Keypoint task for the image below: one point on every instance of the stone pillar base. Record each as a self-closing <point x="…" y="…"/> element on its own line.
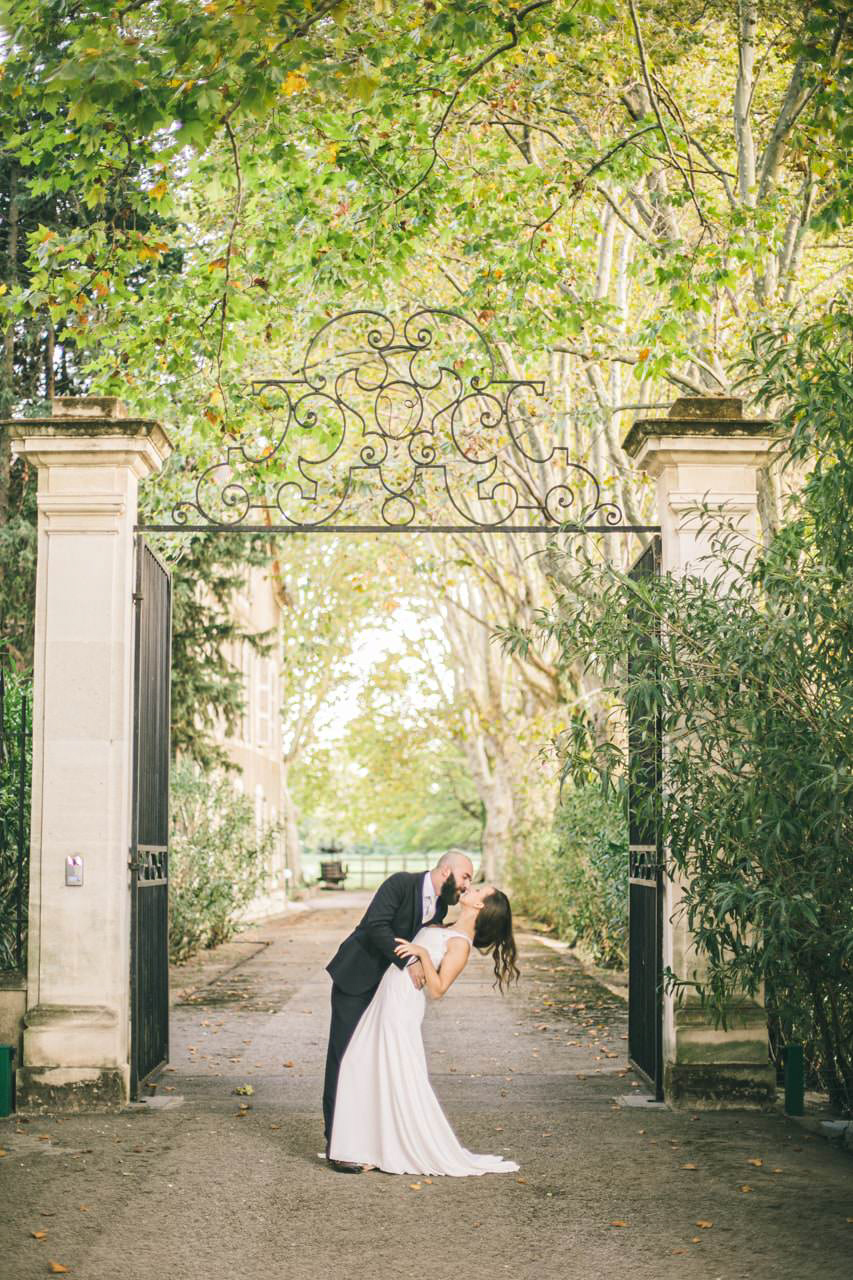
<point x="719" y="1086"/>
<point x="716" y="1067"/>
<point x="47" y="1089"/>
<point x="72" y="1059"/>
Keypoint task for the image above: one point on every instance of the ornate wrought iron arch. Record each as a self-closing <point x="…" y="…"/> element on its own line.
<point x="388" y="419"/>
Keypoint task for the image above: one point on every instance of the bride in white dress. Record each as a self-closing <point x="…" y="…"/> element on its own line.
<point x="386" y="1114"/>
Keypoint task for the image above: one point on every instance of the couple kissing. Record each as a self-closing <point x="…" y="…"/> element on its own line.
<point x="379" y="1108"/>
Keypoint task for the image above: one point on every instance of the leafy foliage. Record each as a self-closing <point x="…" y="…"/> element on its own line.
<point x="18" y="561"/>
<point x="756" y="706"/>
<point x="574" y="877"/>
<point x="207" y="688"/>
<point x="217" y="859"/>
<point x="395" y="777"/>
<point x="15" y="767"/>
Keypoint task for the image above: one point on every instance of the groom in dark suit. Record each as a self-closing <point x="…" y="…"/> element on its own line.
<point x="402" y="904"/>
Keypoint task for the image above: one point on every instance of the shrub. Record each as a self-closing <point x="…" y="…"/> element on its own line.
<point x="592" y="855"/>
<point x="217" y="862"/>
<point x="574" y="876"/>
<point x="14" y="689"/>
<point x="755" y="704"/>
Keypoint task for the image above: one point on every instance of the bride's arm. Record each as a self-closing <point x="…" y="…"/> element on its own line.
<point x="438" y="980"/>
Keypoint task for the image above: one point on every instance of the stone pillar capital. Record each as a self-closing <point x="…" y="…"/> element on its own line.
<point x="703" y="454"/>
<point x="701" y="431"/>
<point x="82" y="440"/>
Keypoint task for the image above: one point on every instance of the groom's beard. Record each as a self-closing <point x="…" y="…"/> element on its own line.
<point x="449" y="891"/>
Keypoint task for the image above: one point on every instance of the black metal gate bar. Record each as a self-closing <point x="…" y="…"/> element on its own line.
<point x="407" y="528"/>
<point x="149" y="860"/>
<point x="645" y="911"/>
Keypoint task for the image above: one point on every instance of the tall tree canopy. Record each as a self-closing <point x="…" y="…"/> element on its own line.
<point x="620" y="192"/>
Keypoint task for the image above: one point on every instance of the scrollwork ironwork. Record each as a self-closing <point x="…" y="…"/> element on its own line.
<point x="416" y="422"/>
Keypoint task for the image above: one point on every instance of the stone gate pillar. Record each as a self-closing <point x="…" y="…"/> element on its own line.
<point x="90" y="458"/>
<point x="705" y="452"/>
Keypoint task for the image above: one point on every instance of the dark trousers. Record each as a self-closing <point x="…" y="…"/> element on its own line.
<point x="346" y="1012"/>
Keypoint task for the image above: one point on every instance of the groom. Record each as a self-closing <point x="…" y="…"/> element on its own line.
<point x="402" y="904"/>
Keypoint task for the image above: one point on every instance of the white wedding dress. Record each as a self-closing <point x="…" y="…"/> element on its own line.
<point x="386" y="1113"/>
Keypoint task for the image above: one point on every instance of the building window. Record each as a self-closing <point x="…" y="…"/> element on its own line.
<point x="263" y="702"/>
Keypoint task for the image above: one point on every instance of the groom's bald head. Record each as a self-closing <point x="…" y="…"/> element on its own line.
<point x="452" y="875"/>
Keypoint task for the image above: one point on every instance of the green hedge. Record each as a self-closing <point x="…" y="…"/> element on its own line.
<point x="574" y="877"/>
<point x="216" y="861"/>
<point x="16" y="688"/>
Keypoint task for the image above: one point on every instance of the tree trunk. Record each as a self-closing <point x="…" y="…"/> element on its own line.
<point x="500" y="814"/>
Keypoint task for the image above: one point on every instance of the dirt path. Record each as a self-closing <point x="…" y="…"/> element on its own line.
<point x="199" y="1187"/>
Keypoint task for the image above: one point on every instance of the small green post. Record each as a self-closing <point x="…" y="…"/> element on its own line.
<point x="795" y="1085"/>
<point x="6" y="1051"/>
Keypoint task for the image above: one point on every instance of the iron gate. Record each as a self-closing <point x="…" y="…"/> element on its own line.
<point x="149" y="855"/>
<point x="645" y="976"/>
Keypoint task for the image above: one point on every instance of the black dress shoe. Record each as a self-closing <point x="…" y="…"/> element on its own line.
<point x="343" y="1166"/>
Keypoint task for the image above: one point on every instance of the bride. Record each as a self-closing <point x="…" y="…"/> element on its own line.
<point x="386" y="1114"/>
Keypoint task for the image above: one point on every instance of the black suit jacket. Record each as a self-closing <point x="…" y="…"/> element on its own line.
<point x="395" y="912"/>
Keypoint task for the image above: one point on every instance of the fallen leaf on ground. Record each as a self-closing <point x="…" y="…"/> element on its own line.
<point x="275" y="1126"/>
<point x="414" y="1186"/>
<point x="756" y="1162"/>
<point x="695" y="1239"/>
<point x="245" y="1089"/>
<point x="777" y="1170"/>
<point x="84" y="1208"/>
<point x="704" y="1224"/>
<point x="690" y="1166"/>
<point x="428" y="1180"/>
<point x="679" y="1251"/>
<point x="39" y="1235"/>
<point x="744" y="1187"/>
<point x="56" y="1268"/>
<point x="618" y="1222"/>
<point x="287" y="1064"/>
<point x="2" y="1152"/>
<point x="522" y="1180"/>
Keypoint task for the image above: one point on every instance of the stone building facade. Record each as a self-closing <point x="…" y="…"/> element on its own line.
<point x="255" y="747"/>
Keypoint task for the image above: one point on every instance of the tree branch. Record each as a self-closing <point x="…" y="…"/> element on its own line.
<point x="641" y="50"/>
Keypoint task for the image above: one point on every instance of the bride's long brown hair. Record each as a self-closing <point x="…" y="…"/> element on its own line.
<point x="493" y="935"/>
